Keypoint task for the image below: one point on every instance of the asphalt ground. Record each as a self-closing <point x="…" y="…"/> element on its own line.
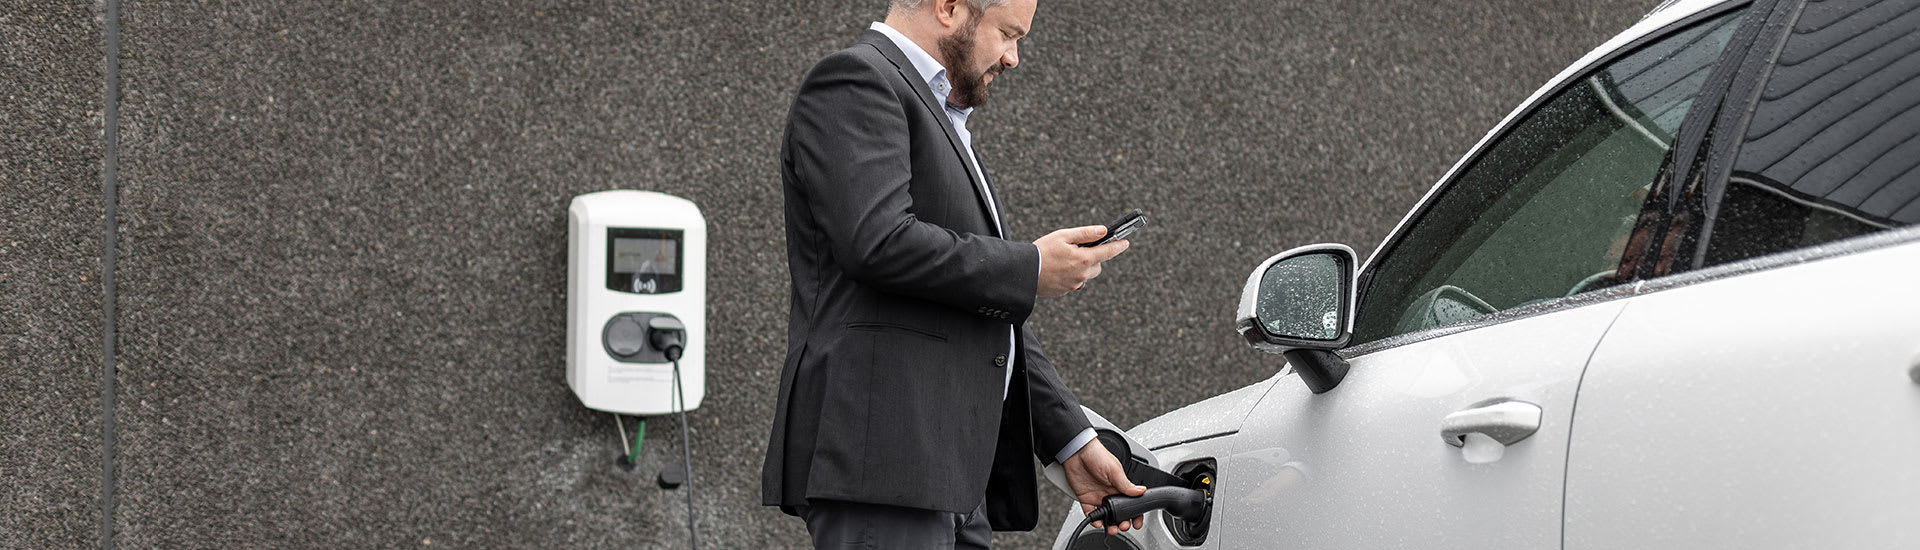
<point x="342" y="232"/>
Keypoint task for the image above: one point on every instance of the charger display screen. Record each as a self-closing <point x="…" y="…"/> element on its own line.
<point x="638" y="256"/>
<point x="644" y="261"/>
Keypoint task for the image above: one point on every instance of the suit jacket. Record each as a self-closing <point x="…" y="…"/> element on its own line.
<point x="903" y="293"/>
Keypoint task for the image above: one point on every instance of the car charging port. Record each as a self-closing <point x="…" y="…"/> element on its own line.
<point x="1189" y="531"/>
<point x="1183" y="499"/>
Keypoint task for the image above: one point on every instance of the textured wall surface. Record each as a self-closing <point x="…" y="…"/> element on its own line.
<point x="342" y="235"/>
<point x="51" y="223"/>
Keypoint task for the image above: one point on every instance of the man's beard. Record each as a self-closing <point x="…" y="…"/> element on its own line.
<point x="969" y="88"/>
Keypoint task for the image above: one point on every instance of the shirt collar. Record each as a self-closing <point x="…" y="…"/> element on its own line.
<point x="930" y="69"/>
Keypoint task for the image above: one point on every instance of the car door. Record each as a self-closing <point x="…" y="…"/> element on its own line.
<point x="1770" y="396"/>
<point x="1776" y="409"/>
<point x="1479" y="314"/>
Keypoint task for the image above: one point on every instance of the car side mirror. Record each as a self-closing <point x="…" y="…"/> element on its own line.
<point x="1299" y="303"/>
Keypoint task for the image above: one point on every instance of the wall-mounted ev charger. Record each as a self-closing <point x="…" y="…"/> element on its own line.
<point x="637" y="315"/>
<point x="636" y="265"/>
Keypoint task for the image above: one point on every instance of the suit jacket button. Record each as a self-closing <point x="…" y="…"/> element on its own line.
<point x="1000" y="360"/>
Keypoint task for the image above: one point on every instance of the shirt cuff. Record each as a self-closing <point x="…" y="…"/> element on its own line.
<point x="1074" y="446"/>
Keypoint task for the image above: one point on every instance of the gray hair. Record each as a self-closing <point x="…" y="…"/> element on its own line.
<point x="979" y="6"/>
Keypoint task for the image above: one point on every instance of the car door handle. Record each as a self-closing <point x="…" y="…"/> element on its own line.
<point x="1505" y="421"/>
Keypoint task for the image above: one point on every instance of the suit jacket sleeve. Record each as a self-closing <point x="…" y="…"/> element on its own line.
<point x="1057" y="417"/>
<point x="851" y="152"/>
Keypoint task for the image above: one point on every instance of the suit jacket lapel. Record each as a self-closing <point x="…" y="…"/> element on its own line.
<point x="919" y="85"/>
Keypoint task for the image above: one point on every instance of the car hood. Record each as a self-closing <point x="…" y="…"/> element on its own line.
<point x="1216" y="416"/>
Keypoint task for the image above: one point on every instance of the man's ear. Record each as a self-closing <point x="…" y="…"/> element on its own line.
<point x="952" y="13"/>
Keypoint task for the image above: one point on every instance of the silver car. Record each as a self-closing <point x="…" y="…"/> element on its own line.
<point x="1672" y="301"/>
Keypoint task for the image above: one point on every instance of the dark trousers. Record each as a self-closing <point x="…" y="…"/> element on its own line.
<point x="848" y="525"/>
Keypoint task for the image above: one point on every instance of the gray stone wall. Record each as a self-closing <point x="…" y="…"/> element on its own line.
<point x="51" y="223"/>
<point x="341" y="231"/>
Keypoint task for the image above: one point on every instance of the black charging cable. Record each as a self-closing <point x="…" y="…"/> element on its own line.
<point x="669" y="336"/>
<point x="1083" y="524"/>
<point x="686" y="445"/>
<point x="1187" y="504"/>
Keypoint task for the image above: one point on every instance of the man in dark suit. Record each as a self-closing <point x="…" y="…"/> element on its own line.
<point x="913" y="393"/>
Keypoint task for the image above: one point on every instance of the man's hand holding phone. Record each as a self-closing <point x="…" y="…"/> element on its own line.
<point x="1070" y="257"/>
<point x="1122" y="228"/>
<point x="1065" y="266"/>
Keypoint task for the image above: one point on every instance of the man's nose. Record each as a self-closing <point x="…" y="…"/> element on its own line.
<point x="1012" y="58"/>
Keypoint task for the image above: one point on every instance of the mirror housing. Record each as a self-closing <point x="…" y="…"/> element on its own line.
<point x="1299" y="304"/>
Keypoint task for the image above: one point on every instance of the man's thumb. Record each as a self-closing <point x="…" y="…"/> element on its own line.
<point x="1085" y="233"/>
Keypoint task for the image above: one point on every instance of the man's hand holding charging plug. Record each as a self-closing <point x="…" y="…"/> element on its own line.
<point x="1094" y="474"/>
<point x="1065" y="266"/>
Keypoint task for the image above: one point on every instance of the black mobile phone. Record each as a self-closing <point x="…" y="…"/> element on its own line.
<point x="1122" y="228"/>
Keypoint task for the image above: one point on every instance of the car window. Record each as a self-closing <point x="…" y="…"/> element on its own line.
<point x="1833" y="149"/>
<point x="1545" y="210"/>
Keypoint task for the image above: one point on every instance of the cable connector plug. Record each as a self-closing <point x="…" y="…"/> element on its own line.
<point x="1181" y="502"/>
<point x="668" y="335"/>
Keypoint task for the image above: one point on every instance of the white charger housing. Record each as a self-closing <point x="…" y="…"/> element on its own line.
<point x="635" y="261"/>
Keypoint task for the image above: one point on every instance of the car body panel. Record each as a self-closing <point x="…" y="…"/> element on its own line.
<point x="1218" y="415"/>
<point x="1712" y="412"/>
<point x="1369" y="453"/>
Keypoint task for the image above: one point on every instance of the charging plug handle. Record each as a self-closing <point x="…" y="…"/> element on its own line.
<point x="1181" y="502"/>
<point x="668" y="335"/>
